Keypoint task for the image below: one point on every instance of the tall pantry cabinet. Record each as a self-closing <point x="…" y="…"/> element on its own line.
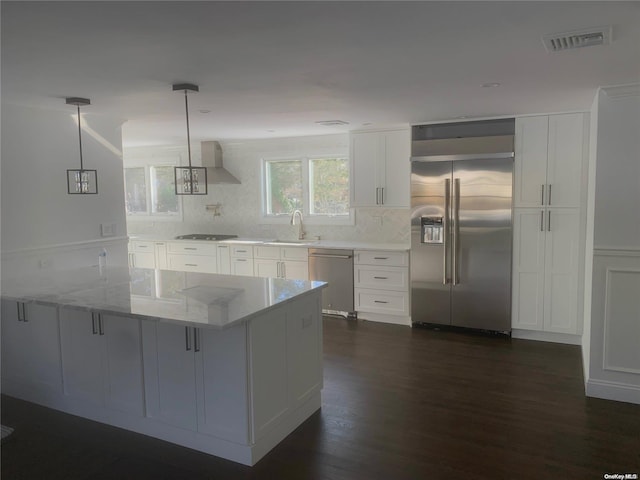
<point x="550" y="178"/>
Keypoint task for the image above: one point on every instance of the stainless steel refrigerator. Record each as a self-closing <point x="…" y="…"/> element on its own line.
<point x="461" y="230"/>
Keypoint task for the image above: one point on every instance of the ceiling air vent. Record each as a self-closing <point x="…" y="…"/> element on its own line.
<point x="586" y="37"/>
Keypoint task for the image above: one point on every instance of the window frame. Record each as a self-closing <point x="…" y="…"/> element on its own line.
<point x="309" y="219"/>
<point x="151" y="194"/>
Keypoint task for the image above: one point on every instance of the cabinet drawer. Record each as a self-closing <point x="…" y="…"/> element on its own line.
<point x="193" y="248"/>
<point x="242" y="251"/>
<point x="141" y="246"/>
<point x="382" y="257"/>
<point x="262" y="251"/>
<point x="380" y="301"/>
<point x="294" y="253"/>
<point x="191" y="263"/>
<point x="385" y="278"/>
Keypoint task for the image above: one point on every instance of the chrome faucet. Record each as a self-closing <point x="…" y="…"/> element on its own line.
<point x="301" y="232"/>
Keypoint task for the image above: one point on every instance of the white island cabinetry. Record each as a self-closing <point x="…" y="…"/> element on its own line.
<point x="102" y="360"/>
<point x="31" y="350"/>
<point x="223" y="364"/>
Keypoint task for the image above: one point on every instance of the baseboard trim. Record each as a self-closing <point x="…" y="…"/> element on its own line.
<point x="565" y="338"/>
<point x="620" y="392"/>
<point x="383" y="318"/>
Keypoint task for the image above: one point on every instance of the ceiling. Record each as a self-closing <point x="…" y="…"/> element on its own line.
<point x="273" y="69"/>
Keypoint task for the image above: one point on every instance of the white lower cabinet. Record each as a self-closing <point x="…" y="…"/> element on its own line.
<point x="31" y="348"/>
<point x="281" y="262"/>
<point x="545" y="270"/>
<point x="142" y="254"/>
<point x="197" y="378"/>
<point x="241" y="260"/>
<point x="381" y="286"/>
<point x="102" y="360"/>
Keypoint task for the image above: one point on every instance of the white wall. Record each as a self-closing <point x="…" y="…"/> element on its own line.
<point x="43" y="226"/>
<point x="614" y="356"/>
<point x="241" y="203"/>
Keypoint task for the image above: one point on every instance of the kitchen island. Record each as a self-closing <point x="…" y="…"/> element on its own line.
<point x="222" y="364"/>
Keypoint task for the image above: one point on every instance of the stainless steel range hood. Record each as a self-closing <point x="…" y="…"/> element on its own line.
<point x="212" y="159"/>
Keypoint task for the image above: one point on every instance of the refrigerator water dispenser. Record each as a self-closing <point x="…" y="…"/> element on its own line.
<point x="432" y="230"/>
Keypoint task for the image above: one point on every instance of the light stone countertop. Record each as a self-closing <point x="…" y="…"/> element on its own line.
<point x="338" y="244"/>
<point x="190" y="299"/>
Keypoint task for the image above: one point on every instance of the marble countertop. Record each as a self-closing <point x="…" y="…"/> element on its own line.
<point x="342" y="244"/>
<point x="192" y="299"/>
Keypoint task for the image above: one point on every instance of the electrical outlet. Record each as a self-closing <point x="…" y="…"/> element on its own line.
<point x="108" y="229"/>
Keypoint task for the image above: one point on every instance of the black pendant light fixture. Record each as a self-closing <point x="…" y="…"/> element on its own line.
<point x="189" y="180"/>
<point x="81" y="181"/>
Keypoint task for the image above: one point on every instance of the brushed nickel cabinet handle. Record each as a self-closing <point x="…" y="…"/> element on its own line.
<point x="381" y="278"/>
<point x="100" y="324"/>
<point x="549" y="221"/>
<point x="196" y="339"/>
<point x="549" y="196"/>
<point x="542" y="196"/>
<point x="379" y="301"/>
<point x="94" y="328"/>
<point x="187" y="338"/>
<point x="542" y="220"/>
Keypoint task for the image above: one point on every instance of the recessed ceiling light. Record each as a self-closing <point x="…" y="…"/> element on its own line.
<point x="463" y="116"/>
<point x="332" y="123"/>
<point x="270" y="131"/>
<point x="367" y="124"/>
<point x="204" y="111"/>
<point x="490" y="85"/>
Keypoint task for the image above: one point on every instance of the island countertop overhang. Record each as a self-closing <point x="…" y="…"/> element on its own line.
<point x="184" y="298"/>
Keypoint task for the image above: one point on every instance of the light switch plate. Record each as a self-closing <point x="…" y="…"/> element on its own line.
<point x="107" y="229"/>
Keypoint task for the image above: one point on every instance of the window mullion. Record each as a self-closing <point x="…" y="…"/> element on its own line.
<point x="149" y="187"/>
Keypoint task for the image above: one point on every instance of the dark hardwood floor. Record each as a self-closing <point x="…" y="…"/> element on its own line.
<point x="398" y="403"/>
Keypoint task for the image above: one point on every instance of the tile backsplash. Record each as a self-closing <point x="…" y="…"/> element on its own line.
<point x="240" y="204"/>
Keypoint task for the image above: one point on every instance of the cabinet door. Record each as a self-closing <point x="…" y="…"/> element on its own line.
<point x="529" y="231"/>
<point x="530" y="168"/>
<point x="224" y="259"/>
<point x="242" y="266"/>
<point x="365" y="156"/>
<point x="221" y="373"/>
<point x="123" y="356"/>
<point x="294" y="270"/>
<point x="396" y="169"/>
<point x="143" y="259"/>
<point x="82" y="356"/>
<point x="564" y="167"/>
<point x="31" y="348"/>
<point x="266" y="268"/>
<point x="161" y="255"/>
<point x="169" y="371"/>
<point x="561" y="271"/>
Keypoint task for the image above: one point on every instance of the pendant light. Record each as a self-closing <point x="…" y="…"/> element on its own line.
<point x="81" y="181"/>
<point x="189" y="180"/>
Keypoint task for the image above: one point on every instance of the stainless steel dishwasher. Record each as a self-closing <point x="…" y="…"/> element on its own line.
<point x="336" y="267"/>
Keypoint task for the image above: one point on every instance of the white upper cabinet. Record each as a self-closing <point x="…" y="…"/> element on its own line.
<point x="549" y="156"/>
<point x="380" y="168"/>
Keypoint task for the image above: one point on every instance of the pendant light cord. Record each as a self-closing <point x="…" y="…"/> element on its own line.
<point x="186" y="108"/>
<point x="80" y="138"/>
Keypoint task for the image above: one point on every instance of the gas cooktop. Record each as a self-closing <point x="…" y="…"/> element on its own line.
<point x="205" y="236"/>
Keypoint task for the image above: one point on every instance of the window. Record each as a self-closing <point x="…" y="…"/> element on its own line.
<point x="319" y="187"/>
<point x="150" y="191"/>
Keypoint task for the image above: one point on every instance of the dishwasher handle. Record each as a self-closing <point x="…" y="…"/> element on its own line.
<point x="327" y="255"/>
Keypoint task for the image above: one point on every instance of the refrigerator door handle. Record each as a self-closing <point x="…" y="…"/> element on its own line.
<point x="446" y="226"/>
<point x="456" y="230"/>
